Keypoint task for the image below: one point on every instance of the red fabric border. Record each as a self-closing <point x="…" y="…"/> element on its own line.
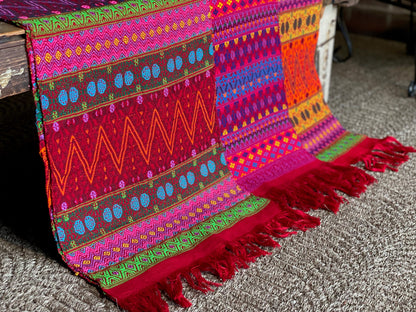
<point x="189" y="259"/>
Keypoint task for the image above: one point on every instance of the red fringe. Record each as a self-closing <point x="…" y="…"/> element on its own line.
<point x="316" y="188"/>
<point x="223" y="264"/>
<point x="387" y="153"/>
<point x="150" y="301"/>
<point x="173" y="288"/>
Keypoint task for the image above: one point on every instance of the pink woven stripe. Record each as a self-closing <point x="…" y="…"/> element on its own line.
<point x="114" y="243"/>
<point x="76" y="50"/>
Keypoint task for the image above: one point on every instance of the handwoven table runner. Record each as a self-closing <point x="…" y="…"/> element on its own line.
<point x="158" y="120"/>
<point x="271" y="111"/>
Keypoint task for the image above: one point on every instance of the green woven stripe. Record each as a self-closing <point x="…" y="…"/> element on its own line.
<point x="340" y="147"/>
<point x="132" y="267"/>
<point x="70" y="21"/>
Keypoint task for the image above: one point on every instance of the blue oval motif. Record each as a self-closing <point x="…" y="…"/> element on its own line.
<point x="182" y="182"/>
<point x="89" y="223"/>
<point x="73" y="95"/>
<point x="144" y="200"/>
<point x="178" y="62"/>
<point x="61" y="234"/>
<point x="191" y="57"/>
<point x="171" y="65"/>
<point x="204" y="170"/>
<point x="161" y="193"/>
<point x="118" y="211"/>
<point x="155" y="70"/>
<point x="199" y="54"/>
<point x="169" y="189"/>
<point x="211" y="49"/>
<point x="223" y="160"/>
<point x="118" y="81"/>
<point x="107" y="215"/>
<point x="91" y="89"/>
<point x="45" y="101"/>
<point x="128" y="78"/>
<point x="63" y="98"/>
<point x="101" y="86"/>
<point x="191" y="177"/>
<point x="134" y="204"/>
<point x="79" y="227"/>
<point x="211" y="166"/>
<point x="146" y="74"/>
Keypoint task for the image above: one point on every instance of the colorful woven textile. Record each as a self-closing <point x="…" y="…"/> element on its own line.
<point x="139" y="191"/>
<point x="133" y="101"/>
<point x="271" y="111"/>
<point x="320" y="132"/>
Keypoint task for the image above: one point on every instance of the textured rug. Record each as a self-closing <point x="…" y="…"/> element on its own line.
<point x="137" y="183"/>
<point x="362" y="259"/>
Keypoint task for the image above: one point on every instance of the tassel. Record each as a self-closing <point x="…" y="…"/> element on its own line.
<point x="298" y="220"/>
<point x="387" y="154"/>
<point x="317" y="188"/>
<point x="173" y="288"/>
<point x="378" y="154"/>
<point x="225" y="267"/>
<point x="264" y="240"/>
<point x="197" y="281"/>
<point x="146" y="301"/>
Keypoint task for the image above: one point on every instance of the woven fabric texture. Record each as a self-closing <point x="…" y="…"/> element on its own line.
<point x="159" y="120"/>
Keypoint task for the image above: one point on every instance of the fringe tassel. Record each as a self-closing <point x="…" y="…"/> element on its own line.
<point x="387" y="153"/>
<point x="317" y="188"/>
<point x="223" y="264"/>
<point x="149" y="301"/>
<point x="197" y="281"/>
<point x="173" y="288"/>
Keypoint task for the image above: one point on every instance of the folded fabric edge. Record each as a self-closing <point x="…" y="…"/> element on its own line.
<point x="221" y="255"/>
<point x="315" y="186"/>
<point x="377" y="154"/>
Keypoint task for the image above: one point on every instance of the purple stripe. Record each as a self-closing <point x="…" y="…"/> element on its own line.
<point x="276" y="169"/>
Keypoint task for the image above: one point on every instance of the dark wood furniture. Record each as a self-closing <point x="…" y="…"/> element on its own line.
<point x="14" y="70"/>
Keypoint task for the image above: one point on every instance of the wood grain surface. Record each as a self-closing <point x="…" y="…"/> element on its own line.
<point x="14" y="70"/>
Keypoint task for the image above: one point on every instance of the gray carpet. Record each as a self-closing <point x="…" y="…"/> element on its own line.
<point x="362" y="259"/>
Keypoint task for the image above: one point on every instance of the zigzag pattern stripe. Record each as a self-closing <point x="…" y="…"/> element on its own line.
<point x="288" y="5"/>
<point x="242" y="24"/>
<point x="237" y="142"/>
<point x="253" y="16"/>
<point x="322" y="135"/>
<point x="219" y="9"/>
<point x="130" y="130"/>
<point x="239" y="83"/>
